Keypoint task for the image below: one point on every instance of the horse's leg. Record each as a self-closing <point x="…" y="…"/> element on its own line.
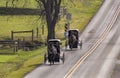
<point x="53" y="58"/>
<point x="71" y="46"/>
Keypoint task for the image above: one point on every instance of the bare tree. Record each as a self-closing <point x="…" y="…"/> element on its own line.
<point x="52" y="9"/>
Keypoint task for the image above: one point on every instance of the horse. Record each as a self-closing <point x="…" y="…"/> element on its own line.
<point x="52" y="52"/>
<point x="73" y="39"/>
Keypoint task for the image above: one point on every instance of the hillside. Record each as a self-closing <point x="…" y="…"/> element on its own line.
<point x="18" y="64"/>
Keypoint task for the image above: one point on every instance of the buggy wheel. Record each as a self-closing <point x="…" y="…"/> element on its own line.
<point x="63" y="58"/>
<point x="50" y="63"/>
<point x="71" y="46"/>
<point x="45" y="58"/>
<point x="50" y="59"/>
<point x="66" y="45"/>
<point x="53" y="61"/>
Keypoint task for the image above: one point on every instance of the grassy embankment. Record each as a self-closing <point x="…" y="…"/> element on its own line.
<point x="17" y="65"/>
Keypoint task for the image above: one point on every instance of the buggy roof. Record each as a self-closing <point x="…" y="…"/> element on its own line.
<point x="54" y="40"/>
<point x="73" y="30"/>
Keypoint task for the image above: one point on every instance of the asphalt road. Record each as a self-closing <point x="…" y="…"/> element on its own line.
<point x="100" y="63"/>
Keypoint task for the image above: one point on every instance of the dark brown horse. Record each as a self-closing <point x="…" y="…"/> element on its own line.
<point x="72" y="40"/>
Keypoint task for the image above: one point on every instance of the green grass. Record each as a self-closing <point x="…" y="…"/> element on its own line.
<point x="26" y="67"/>
<point x="18" y="23"/>
<point x="17" y="65"/>
<point x="20" y="63"/>
<point x="5" y="58"/>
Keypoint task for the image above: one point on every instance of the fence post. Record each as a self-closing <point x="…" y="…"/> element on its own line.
<point x="15" y="46"/>
<point x="23" y="43"/>
<point x="32" y="35"/>
<point x="12" y="35"/>
<point x="37" y="32"/>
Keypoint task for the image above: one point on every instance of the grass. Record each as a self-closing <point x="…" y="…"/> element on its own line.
<point x="119" y="56"/>
<point x="5" y="58"/>
<point x="28" y="65"/>
<point x="21" y="63"/>
<point x="17" y="23"/>
<point x="17" y="65"/>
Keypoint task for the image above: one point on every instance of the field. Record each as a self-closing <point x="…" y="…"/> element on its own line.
<point x="18" y="64"/>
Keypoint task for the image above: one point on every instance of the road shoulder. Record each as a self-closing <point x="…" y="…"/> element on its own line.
<point x="116" y="71"/>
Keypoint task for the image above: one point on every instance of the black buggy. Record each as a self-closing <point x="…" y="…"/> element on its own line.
<point x="54" y="54"/>
<point x="73" y="38"/>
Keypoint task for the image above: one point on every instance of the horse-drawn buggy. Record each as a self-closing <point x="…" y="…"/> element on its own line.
<point x="73" y="38"/>
<point x="54" y="53"/>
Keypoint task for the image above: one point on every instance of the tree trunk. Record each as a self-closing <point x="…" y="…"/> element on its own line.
<point x="51" y="32"/>
<point x="52" y="8"/>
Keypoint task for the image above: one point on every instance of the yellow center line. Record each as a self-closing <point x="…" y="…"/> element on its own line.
<point x="98" y="42"/>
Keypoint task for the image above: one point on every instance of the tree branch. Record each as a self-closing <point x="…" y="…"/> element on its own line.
<point x="57" y="10"/>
